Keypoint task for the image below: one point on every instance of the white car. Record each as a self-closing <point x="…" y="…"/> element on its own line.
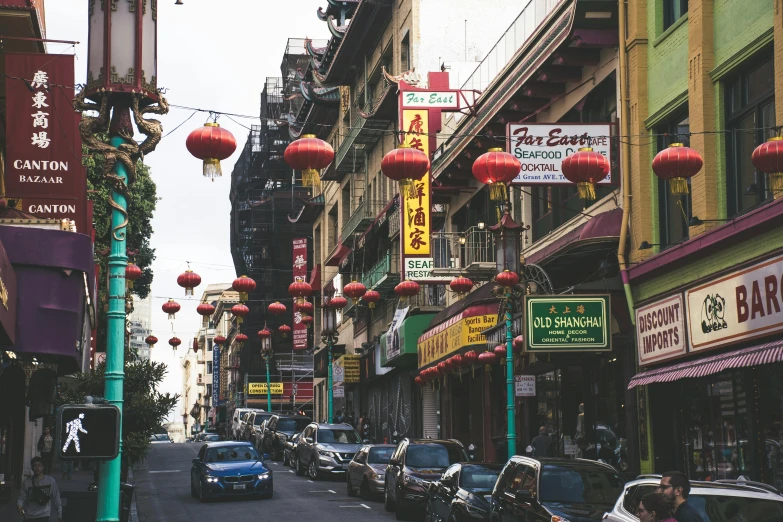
<point x="237" y="421"/>
<point x="160" y="438"/>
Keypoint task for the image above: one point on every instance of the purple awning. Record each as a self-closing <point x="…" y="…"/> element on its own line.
<point x="755" y="355"/>
<point x="603" y="226"/>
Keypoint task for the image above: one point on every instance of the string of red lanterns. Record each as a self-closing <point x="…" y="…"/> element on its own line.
<point x="171" y="307"/>
<point x="244" y="285"/>
<point x="496" y="168"/>
<point x="585" y="168"/>
<point x="189" y="280"/>
<point x="405" y="165"/>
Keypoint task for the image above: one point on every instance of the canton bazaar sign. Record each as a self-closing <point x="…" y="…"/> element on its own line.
<point x="567" y="323"/>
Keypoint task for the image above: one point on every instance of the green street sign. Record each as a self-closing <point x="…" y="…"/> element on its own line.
<point x="569" y="323"/>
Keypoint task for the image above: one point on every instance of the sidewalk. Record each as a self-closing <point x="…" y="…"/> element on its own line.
<point x="79" y="482"/>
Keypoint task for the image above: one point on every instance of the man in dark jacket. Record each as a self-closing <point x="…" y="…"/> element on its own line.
<point x="676" y="487"/>
<point x="542" y="443"/>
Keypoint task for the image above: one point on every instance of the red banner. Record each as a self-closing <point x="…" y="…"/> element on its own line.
<point x="300" y="274"/>
<point x="43" y="162"/>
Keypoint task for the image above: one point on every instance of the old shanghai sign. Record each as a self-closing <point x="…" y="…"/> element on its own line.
<point x="660" y="330"/>
<point x="742" y="305"/>
<point x="567" y="323"/>
<point x="542" y="147"/>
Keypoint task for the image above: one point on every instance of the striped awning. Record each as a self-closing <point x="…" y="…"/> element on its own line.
<point x="755" y="355"/>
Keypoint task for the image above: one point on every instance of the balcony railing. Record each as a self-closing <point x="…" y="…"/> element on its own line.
<point x="429" y="296"/>
<point x="385" y="274"/>
<point x="364" y="214"/>
<point x="471" y="253"/>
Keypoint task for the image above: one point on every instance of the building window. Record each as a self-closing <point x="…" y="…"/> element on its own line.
<point x="209" y="345"/>
<point x="674" y="212"/>
<point x="750" y="118"/>
<point x="405" y="53"/>
<point x="209" y="390"/>
<point x="673" y="10"/>
<point x="209" y="367"/>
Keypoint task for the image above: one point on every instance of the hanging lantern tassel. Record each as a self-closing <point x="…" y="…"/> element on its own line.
<point x="311" y="178"/>
<point x="587" y="190"/>
<point x="497" y="191"/>
<point x="678" y="186"/>
<point x="212" y="168"/>
<point x="408" y="188"/>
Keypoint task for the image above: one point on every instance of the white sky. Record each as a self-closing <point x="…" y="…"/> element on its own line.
<point x="212" y="54"/>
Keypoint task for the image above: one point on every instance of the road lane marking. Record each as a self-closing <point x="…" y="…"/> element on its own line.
<point x="310" y="481"/>
<point x="365" y="506"/>
<point x="164" y="471"/>
<point x="349" y="506"/>
<point x="290" y="471"/>
<point x="327" y="491"/>
<point x="330" y="491"/>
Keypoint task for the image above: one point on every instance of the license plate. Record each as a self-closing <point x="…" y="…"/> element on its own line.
<point x="239" y="486"/>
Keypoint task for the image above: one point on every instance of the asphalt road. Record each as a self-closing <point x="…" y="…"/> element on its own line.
<point x="163" y="494"/>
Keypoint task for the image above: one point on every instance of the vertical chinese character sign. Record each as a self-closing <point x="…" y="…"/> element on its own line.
<point x="300" y="274"/>
<point x="416" y="206"/>
<point x="43" y="166"/>
<point x="216" y="376"/>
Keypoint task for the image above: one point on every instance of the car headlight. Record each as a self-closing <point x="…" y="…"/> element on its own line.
<point x="263" y="476"/>
<point x="210" y="478"/>
<point x="326" y="453"/>
<point x="556" y="518"/>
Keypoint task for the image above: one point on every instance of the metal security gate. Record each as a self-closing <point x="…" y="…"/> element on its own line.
<point x="430" y="413"/>
<point x="389" y="409"/>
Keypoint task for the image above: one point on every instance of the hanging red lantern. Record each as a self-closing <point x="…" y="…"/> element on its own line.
<point x="443" y="368"/>
<point x="284" y="330"/>
<point x="189" y="280"/>
<point x="300" y="289"/>
<point x="151" y="341"/>
<point x="211" y="144"/>
<point x="418" y="381"/>
<point x="355" y="290"/>
<point x="371" y="297"/>
<point x="276" y="308"/>
<point x="585" y="168"/>
<point x="244" y="285"/>
<point x="500" y="351"/>
<point x="195" y="345"/>
<point x="240" y="311"/>
<point x="219" y="339"/>
<point x="171" y="307"/>
<point x="306" y="307"/>
<point x="496" y="168"/>
<point x="132" y="273"/>
<point x="469" y="358"/>
<point x="174" y="342"/>
<point x="457" y="361"/>
<point x="241" y="338"/>
<point x="264" y="333"/>
<point x="309" y="154"/>
<point x="507" y="278"/>
<point x="768" y="158"/>
<point x="405" y="165"/>
<point x="461" y="285"/>
<point x="676" y="164"/>
<point x="307" y="320"/>
<point x="518" y="344"/>
<point x="205" y="309"/>
<point x="338" y="302"/>
<point x="487" y="358"/>
<point x="407" y="289"/>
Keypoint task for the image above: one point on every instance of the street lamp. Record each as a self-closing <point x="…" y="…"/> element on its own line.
<point x="121" y="79"/>
<point x="329" y="336"/>
<point x="266" y="354"/>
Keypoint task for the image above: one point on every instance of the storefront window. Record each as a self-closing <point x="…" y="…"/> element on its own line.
<point x="674" y="212"/>
<point x="770" y="421"/>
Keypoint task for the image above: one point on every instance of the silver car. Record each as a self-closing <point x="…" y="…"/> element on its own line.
<point x="720" y="501"/>
<point x="367" y="468"/>
<point x="325" y="449"/>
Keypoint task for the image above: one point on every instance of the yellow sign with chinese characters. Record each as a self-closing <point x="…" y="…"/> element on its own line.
<point x="352" y="365"/>
<point x="417" y="206"/>
<point x="259" y="388"/>
<point x="453" y="335"/>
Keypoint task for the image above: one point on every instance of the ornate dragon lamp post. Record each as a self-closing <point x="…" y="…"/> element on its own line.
<point x="121" y="79"/>
<point x="266" y="353"/>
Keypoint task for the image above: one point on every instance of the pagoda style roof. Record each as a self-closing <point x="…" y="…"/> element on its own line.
<point x="336" y="7"/>
<point x="329" y="96"/>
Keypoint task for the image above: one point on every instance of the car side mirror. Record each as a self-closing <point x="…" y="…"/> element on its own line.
<point x="196" y="461"/>
<point x="394" y="462"/>
<point x="448" y="482"/>
<point x="309" y="440"/>
<point x="525" y="496"/>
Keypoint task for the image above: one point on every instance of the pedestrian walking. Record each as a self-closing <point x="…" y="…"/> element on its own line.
<point x="39" y="494"/>
<point x="654" y="507"/>
<point x="542" y="443"/>
<point x="46" y="449"/>
<point x="676" y="487"/>
<point x="66" y="465"/>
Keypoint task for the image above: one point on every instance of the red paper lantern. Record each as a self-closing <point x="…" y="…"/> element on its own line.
<point x="443" y="368"/>
<point x="418" y="381"/>
<point x="469" y="358"/>
<point x="132" y="273"/>
<point x="219" y="339"/>
<point x="189" y="280"/>
<point x="354" y="290"/>
<point x="461" y="285"/>
<point x="211" y="144"/>
<point x="276" y="308"/>
<point x="500" y="351"/>
<point x="306" y="307"/>
<point x="405" y="165"/>
<point x="407" y="289"/>
<point x="457" y="361"/>
<point x="240" y="311"/>
<point x="676" y="164"/>
<point x="768" y="158"/>
<point x="171" y="307"/>
<point x="518" y="344"/>
<point x="241" y="338"/>
<point x="307" y="320"/>
<point x="507" y="278"/>
<point x="338" y="302"/>
<point x="151" y="340"/>
<point x="174" y="342"/>
<point x="496" y="168"/>
<point x="244" y="285"/>
<point x="300" y="289"/>
<point x="205" y="309"/>
<point x="371" y="297"/>
<point x="195" y="345"/>
<point x="585" y="168"/>
<point x="284" y="329"/>
<point x="309" y="154"/>
<point x="264" y="333"/>
<point x="487" y="358"/>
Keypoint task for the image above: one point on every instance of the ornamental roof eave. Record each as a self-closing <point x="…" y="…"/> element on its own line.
<point x="334" y="8"/>
<point x="328" y="96"/>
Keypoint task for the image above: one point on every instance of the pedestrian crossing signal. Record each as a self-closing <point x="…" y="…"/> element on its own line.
<point x="88" y="431"/>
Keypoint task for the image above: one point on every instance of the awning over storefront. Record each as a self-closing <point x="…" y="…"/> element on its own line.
<point x="753" y="356"/>
<point x="340" y="253"/>
<point x="606" y="225"/>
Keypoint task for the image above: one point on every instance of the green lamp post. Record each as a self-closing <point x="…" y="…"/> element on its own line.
<point x="123" y="40"/>
<point x="266" y="354"/>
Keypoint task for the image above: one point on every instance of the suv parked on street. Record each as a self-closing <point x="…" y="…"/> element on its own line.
<point x="413" y="465"/>
<point x="325" y="448"/>
<point x="556" y="489"/>
<point x="715" y="501"/>
<point x="279" y="429"/>
<point x="254" y="427"/>
<point x="237" y="422"/>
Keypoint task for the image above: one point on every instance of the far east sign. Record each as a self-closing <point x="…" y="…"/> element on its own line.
<point x="567" y="323"/>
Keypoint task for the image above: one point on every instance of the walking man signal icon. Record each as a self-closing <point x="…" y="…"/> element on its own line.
<point x="73" y="428"/>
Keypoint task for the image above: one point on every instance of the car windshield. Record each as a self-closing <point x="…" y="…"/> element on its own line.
<point x="724" y="508"/>
<point x="474" y="477"/>
<point x="432" y="456"/>
<point x="211" y="438"/>
<point x="259" y="419"/>
<point x="232" y="454"/>
<point x="580" y="485"/>
<point x="292" y="424"/>
<point x="338" y="436"/>
<point x="379" y="455"/>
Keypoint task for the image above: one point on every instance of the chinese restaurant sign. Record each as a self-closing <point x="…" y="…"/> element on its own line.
<point x="542" y="147"/>
<point x="259" y="388"/>
<point x="431" y="99"/>
<point x="742" y="305"/>
<point x="660" y="330"/>
<point x="417" y="208"/>
<point x="464" y="329"/>
<point x="216" y="375"/>
<point x="300" y="274"/>
<point x="43" y="162"/>
<point x="567" y="323"/>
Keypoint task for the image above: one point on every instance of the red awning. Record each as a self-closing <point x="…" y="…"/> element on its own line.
<point x="338" y="255"/>
<point x="755" y="355"/>
<point x="604" y="226"/>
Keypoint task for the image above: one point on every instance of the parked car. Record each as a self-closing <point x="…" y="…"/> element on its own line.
<point x="237" y="421"/>
<point x="367" y="468"/>
<point x="211" y="437"/>
<point x="543" y="489"/>
<point x="462" y="493"/>
<point x="160" y="438"/>
<point x="229" y="468"/>
<point x="414" y="464"/>
<point x="257" y="435"/>
<point x="278" y="430"/>
<point x="290" y="447"/>
<point x="325" y="449"/>
<point x="253" y="421"/>
<point x="199" y="437"/>
<point x="715" y="501"/>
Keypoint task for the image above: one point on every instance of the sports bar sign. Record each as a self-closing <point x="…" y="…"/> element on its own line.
<point x="567" y="323"/>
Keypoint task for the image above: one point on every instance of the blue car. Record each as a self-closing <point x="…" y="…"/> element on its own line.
<point x="229" y="469"/>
